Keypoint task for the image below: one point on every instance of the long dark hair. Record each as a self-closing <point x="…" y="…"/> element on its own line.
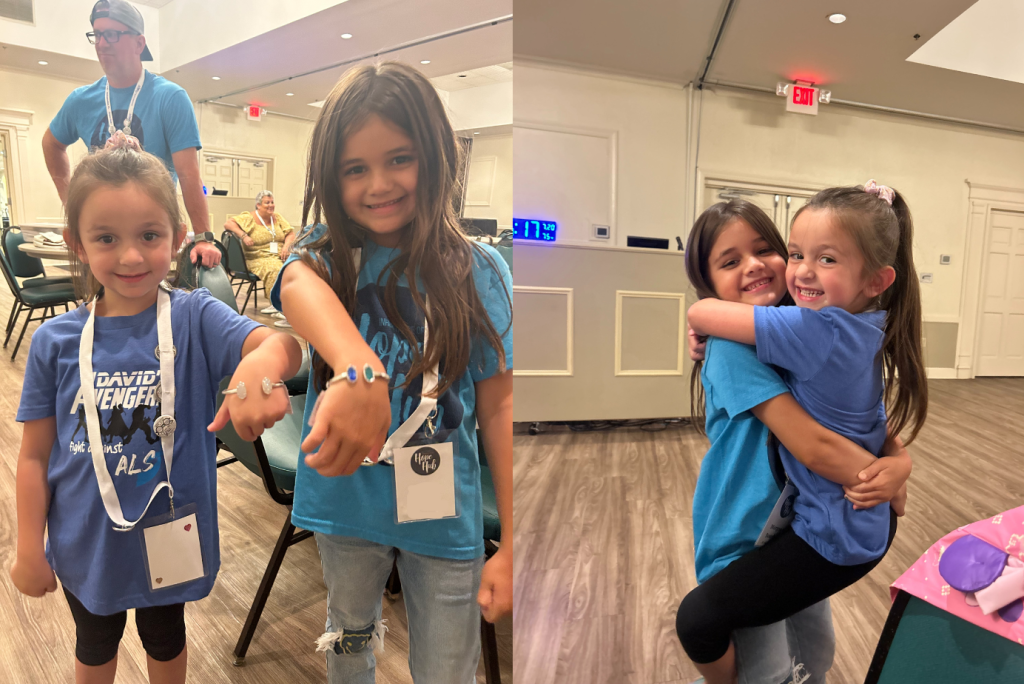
<point x="885" y="236"/>
<point x="699" y="245"/>
<point x="433" y="247"/>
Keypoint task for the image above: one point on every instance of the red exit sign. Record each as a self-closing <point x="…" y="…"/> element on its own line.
<point x="802" y="99"/>
<point x="255" y="113"/>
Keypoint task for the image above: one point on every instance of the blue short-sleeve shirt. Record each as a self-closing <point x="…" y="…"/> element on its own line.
<point x="363" y="504"/>
<point x="735" y="489"/>
<point x="101" y="567"/>
<point x="832" y="365"/>
<point x="163" y="119"/>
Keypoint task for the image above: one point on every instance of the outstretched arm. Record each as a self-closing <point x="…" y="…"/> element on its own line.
<point x="31" y="571"/>
<point x="728" y="320"/>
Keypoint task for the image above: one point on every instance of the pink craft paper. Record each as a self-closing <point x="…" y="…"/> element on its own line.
<point x="922" y="579"/>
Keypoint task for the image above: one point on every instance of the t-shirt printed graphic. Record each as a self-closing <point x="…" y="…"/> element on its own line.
<point x="128" y="403"/>
<point x="105" y="568"/>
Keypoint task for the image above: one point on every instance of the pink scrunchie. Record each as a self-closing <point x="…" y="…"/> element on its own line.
<point x="119" y="140"/>
<point x="883" y="191"/>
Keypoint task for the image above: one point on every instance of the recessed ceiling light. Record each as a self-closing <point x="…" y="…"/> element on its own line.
<point x="216" y="78"/>
<point x="476" y="132"/>
<point x="43" y="63"/>
<point x="837" y="18"/>
<point x="346" y="36"/>
<point x="424" y="61"/>
<point x="290" y="94"/>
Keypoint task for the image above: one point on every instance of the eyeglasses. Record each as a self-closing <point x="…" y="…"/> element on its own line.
<point x="109" y="36"/>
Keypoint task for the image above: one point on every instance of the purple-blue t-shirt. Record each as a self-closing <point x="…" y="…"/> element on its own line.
<point x="832" y="366"/>
<point x="104" y="569"/>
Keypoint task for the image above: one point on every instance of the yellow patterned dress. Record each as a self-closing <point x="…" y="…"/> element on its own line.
<point x="259" y="258"/>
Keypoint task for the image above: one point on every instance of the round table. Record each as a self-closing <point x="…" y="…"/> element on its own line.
<point x="55" y="253"/>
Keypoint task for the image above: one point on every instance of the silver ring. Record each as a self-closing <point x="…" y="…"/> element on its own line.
<point x="269" y="386"/>
<point x="239" y="390"/>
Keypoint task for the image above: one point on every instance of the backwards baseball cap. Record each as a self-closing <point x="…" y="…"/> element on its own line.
<point x="124" y="12"/>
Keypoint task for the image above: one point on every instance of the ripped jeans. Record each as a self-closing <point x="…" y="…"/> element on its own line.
<point x="440" y="600"/>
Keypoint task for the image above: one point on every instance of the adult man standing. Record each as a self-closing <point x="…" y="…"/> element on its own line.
<point x="143" y="105"/>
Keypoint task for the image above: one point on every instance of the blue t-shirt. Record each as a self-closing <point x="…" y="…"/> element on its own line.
<point x="163" y="119"/>
<point x="735" y="489"/>
<point x="363" y="504"/>
<point x="101" y="567"/>
<point x="833" y="367"/>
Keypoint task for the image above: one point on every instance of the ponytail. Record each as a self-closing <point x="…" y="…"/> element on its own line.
<point x="906" y="387"/>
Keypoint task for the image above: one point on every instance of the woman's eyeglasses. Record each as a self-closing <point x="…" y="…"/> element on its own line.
<point x="109" y="36"/>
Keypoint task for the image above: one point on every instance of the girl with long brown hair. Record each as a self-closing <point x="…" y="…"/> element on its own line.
<point x="410" y="325"/>
<point x="850" y="353"/>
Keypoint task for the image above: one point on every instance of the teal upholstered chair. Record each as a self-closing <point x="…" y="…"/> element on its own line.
<point x="26" y="266"/>
<point x="274" y="456"/>
<point x="40" y="298"/>
<point x="921" y="644"/>
<point x="240" y="272"/>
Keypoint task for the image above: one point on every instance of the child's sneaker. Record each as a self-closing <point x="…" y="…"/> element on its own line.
<point x="268" y="310"/>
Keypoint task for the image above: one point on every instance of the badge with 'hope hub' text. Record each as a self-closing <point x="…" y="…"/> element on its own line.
<point x="425" y="482"/>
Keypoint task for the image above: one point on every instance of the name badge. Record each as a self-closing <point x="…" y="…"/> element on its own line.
<point x="274" y="247"/>
<point x="425" y="482"/>
<point x="782" y="514"/>
<point x="173" y="552"/>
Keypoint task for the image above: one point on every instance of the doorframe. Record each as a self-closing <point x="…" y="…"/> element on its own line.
<point x="225" y="152"/>
<point x="723" y="179"/>
<point x="982" y="201"/>
<point x="16" y="123"/>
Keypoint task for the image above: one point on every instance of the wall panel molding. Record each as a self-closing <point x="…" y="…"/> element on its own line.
<point x="566" y="292"/>
<point x="621" y="295"/>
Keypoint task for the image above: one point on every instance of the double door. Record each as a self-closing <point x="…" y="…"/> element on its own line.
<point x="781" y="207"/>
<point x="240" y="177"/>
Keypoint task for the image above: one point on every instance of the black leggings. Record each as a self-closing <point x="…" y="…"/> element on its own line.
<point x="161" y="628"/>
<point x="771" y="583"/>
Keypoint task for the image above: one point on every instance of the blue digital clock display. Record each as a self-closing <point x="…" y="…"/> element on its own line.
<point x="532" y="229"/>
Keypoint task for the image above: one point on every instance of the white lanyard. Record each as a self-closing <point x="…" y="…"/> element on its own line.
<point x="131" y="107"/>
<point x="164" y="425"/>
<point x="271" y="226"/>
<point x="406" y="430"/>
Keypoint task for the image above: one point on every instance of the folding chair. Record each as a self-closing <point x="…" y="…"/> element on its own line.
<point x="240" y="272"/>
<point x="42" y="298"/>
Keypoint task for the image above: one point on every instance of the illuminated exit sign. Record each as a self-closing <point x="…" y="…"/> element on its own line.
<point x="802" y="99"/>
<point x="255" y="113"/>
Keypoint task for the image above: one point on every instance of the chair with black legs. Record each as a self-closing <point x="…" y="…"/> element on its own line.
<point x="239" y="270"/>
<point x="42" y="298"/>
<point x="24" y="265"/>
<point x="274" y="457"/>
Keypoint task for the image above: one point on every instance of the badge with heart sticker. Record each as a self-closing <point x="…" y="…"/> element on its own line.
<point x="173" y="551"/>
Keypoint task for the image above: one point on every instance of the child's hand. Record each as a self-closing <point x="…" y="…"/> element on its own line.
<point x="258" y="411"/>
<point x="880" y="482"/>
<point x="495" y="595"/>
<point x="33" y="576"/>
<point x="697" y="344"/>
<point x="349" y="423"/>
<point x="899" y="502"/>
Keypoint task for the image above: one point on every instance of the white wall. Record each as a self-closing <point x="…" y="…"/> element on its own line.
<point x="286" y="140"/>
<point x="751" y="135"/>
<point x="60" y="27"/>
<point x="491" y="167"/>
<point x="479" y="107"/>
<point x="594" y="149"/>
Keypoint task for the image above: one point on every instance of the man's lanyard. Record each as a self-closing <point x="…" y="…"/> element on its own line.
<point x="423" y="412"/>
<point x="273" y="234"/>
<point x="131" y="107"/>
<point x="164" y="425"/>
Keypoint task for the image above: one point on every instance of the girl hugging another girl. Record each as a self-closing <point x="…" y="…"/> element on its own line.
<point x="850" y="355"/>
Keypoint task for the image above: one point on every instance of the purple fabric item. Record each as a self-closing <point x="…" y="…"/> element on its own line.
<point x="970" y="564"/>
<point x="1011" y="613"/>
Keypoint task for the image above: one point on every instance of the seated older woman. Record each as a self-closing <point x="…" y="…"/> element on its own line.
<point x="267" y="239"/>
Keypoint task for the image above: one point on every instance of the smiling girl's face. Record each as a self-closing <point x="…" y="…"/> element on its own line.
<point x="744" y="268"/>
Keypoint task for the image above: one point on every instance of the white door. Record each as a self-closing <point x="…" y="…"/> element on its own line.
<point x="218" y="173"/>
<point x="252" y="178"/>
<point x="767" y="201"/>
<point x="1001" y="333"/>
<point x="787" y="210"/>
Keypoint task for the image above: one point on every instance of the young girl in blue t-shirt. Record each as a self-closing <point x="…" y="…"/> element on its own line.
<point x="734" y="253"/>
<point x="851" y="273"/>
<point x="116" y="462"/>
<point x="410" y="326"/>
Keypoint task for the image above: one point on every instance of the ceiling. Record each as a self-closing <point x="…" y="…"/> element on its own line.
<point x="861" y="60"/>
<point x="472" y="37"/>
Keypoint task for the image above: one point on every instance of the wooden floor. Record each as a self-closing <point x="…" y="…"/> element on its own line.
<point x="604" y="539"/>
<point x="37" y="636"/>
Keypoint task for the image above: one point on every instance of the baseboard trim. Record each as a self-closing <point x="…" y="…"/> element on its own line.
<point x="941" y="373"/>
